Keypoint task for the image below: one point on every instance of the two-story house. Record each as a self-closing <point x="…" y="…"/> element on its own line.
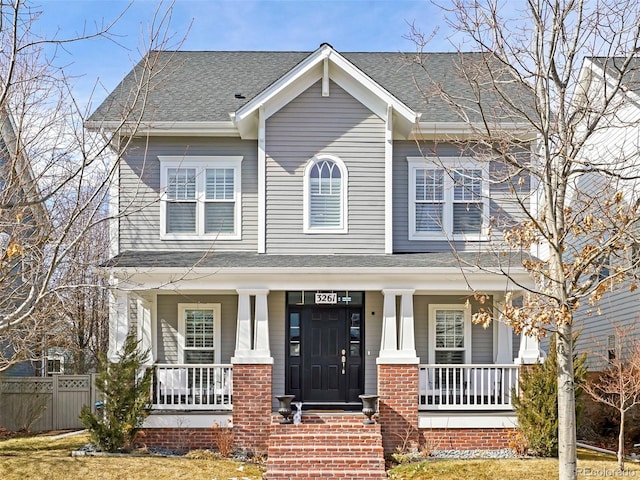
<point x="613" y="147"/>
<point x="24" y="222"/>
<point x="303" y="223"/>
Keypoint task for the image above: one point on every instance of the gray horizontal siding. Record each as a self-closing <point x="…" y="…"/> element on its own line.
<point x="481" y="338"/>
<point x="167" y="315"/>
<point x="140" y="192"/>
<point x="372" y="339"/>
<point x="502" y="206"/>
<point x="338" y="125"/>
<point x="277" y="341"/>
<point x="619" y="308"/>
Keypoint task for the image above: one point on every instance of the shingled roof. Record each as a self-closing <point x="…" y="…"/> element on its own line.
<point x="203" y="86"/>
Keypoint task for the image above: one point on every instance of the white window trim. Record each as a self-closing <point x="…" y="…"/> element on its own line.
<point x="448" y="165"/>
<point x="54" y="357"/>
<point x="182" y="307"/>
<point x="467" y="329"/>
<point x="343" y="227"/>
<point x="201" y="163"/>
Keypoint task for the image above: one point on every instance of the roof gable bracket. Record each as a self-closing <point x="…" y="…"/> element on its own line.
<point x="325" y="77"/>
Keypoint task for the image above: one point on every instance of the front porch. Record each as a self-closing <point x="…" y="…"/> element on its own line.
<point x="224" y="343"/>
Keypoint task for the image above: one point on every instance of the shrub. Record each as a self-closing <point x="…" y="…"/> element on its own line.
<point x="537" y="404"/>
<point x="126" y="394"/>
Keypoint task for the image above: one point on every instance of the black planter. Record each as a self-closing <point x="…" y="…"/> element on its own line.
<point x="369" y="407"/>
<point x="285" y="407"/>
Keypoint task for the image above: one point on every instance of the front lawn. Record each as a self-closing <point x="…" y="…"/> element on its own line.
<point x="590" y="465"/>
<point x="44" y="458"/>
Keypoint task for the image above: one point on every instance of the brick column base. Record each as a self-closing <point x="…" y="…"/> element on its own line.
<point x="252" y="407"/>
<point x="398" y="406"/>
<point x="466" y="438"/>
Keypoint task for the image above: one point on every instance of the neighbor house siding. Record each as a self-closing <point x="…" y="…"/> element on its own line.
<point x="619" y="308"/>
<point x="502" y="207"/>
<point x="339" y="125"/>
<point x="168" y="324"/>
<point x="140" y="192"/>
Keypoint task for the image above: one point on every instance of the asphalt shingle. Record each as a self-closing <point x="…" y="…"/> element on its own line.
<point x="190" y="86"/>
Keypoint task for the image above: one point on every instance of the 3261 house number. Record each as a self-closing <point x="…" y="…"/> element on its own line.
<point x="326" y="298"/>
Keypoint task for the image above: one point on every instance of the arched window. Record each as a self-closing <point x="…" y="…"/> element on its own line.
<point x="325" y="195"/>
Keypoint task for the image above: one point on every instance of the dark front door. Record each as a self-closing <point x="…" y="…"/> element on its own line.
<point x="326" y="366"/>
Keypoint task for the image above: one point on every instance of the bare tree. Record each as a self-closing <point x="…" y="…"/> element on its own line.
<point x="55" y="178"/>
<point x="619" y="384"/>
<point x="548" y="104"/>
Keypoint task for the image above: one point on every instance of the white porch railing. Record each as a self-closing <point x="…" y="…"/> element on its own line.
<point x="467" y="387"/>
<point x="192" y="387"/>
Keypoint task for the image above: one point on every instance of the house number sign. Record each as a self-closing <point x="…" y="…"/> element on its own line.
<point x="326" y="298"/>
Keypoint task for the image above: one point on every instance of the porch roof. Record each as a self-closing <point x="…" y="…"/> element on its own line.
<point x="494" y="261"/>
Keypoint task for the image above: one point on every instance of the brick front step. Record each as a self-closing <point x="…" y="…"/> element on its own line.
<point x="327" y="446"/>
<point x="351" y="474"/>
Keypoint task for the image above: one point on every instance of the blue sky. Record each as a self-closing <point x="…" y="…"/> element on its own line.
<point x="348" y="25"/>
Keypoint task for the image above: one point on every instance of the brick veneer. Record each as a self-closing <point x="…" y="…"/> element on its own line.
<point x="466" y="438"/>
<point x="182" y="439"/>
<point x="398" y="405"/>
<point x="252" y="407"/>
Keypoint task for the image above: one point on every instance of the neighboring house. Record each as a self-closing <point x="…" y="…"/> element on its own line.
<point x="282" y="232"/>
<point x="21" y="224"/>
<point x="616" y="143"/>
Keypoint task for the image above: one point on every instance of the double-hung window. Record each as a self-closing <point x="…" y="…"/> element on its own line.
<point x="200" y="197"/>
<point x="325" y="195"/>
<point x="199" y="333"/>
<point x="447" y="199"/>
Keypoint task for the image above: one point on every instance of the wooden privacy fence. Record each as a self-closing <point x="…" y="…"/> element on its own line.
<point x="45" y="403"/>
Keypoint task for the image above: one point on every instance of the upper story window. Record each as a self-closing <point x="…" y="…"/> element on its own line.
<point x="325" y="195"/>
<point x="447" y="199"/>
<point x="201" y="197"/>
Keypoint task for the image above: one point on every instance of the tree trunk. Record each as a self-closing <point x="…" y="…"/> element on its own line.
<point x="566" y="404"/>
<point x="621" y="443"/>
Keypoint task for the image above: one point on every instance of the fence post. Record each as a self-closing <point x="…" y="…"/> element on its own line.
<point x="93" y="394"/>
<point x="54" y="403"/>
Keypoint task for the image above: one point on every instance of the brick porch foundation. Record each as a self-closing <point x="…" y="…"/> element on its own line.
<point x="398" y="405"/>
<point x="252" y="399"/>
<point x="182" y="439"/>
<point x="465" y="438"/>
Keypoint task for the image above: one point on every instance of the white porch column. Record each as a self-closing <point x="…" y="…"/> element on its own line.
<point x="529" y="350"/>
<point x="252" y="332"/>
<point x="244" y="339"/>
<point x="503" y="346"/>
<point x="389" y="343"/>
<point x="118" y="322"/>
<point x="392" y="351"/>
<point x="261" y="336"/>
<point x="407" y="329"/>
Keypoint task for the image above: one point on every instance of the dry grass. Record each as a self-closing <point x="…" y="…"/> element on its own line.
<point x="42" y="458"/>
<point x="590" y="465"/>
